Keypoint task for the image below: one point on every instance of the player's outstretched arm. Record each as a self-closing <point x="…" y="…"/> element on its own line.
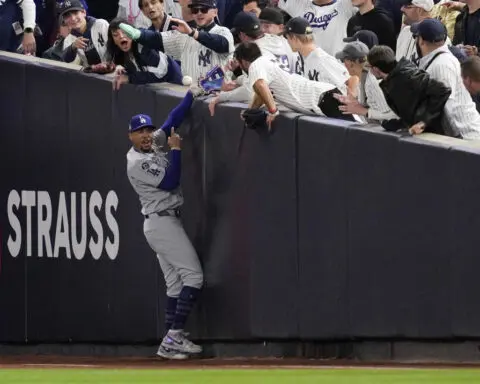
<point x="171" y="180"/>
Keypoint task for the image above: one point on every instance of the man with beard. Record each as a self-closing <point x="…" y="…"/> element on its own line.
<point x="198" y="49"/>
<point x="271" y="84"/>
<point x="91" y="34"/>
<point x="460" y="118"/>
<point x="414" y="11"/>
<point x="155" y="175"/>
<point x="413" y="96"/>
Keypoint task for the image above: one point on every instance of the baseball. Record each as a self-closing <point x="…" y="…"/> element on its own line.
<point x="187" y="80"/>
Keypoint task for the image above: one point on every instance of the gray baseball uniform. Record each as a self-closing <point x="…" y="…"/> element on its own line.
<point x="162" y="228"/>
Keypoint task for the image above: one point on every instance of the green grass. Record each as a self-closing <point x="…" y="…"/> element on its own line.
<point x="234" y="376"/>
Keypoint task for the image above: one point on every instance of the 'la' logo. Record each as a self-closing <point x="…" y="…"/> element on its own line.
<point x="142" y="120"/>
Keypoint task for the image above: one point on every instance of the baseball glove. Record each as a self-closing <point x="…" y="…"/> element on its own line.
<point x="101" y="69"/>
<point x="255" y="118"/>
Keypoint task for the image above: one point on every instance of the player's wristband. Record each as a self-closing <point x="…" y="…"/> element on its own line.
<point x="191" y="34"/>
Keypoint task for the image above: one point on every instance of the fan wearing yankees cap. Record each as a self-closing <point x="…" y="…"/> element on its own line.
<point x="314" y="63"/>
<point x="247" y="27"/>
<point x="272" y="21"/>
<point x="91" y="34"/>
<point x="272" y="85"/>
<point x="460" y="118"/>
<point x="370" y="101"/>
<point x="198" y="49"/>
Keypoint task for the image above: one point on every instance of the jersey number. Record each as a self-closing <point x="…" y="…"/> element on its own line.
<point x="282" y="61"/>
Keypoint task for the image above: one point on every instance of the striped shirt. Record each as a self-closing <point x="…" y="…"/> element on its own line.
<point x="374" y="98"/>
<point x="460" y="113"/>
<point x="406" y="46"/>
<point x="291" y="90"/>
<point x="329" y="22"/>
<point x="320" y="66"/>
<point x="196" y="59"/>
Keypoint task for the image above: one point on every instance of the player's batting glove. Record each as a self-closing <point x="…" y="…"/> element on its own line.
<point x="131" y="32"/>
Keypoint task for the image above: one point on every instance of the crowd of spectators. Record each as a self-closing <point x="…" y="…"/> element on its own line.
<point x="409" y="65"/>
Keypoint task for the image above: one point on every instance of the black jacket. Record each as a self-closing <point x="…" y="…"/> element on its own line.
<point x="460" y="36"/>
<point x="414" y="97"/>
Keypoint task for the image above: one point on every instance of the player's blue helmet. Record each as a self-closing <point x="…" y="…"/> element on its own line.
<point x="140" y="121"/>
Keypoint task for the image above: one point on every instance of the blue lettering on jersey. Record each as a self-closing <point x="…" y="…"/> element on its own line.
<point x="320" y="22"/>
<point x="204" y="59"/>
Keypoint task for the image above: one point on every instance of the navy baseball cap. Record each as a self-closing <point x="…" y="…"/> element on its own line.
<point x="246" y="22"/>
<point x="298" y="26"/>
<point x="431" y="30"/>
<point x="203" y="3"/>
<point x="140" y="121"/>
<point x="68" y="6"/>
<point x="369" y="38"/>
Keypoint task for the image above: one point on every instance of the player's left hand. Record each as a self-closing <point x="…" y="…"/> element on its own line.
<point x="417" y="129"/>
<point x="29" y="44"/>
<point x="181" y="26"/>
<point x="119" y="80"/>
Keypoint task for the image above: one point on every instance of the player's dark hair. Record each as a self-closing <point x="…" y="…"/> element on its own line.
<point x="382" y="57"/>
<point x="115" y="54"/>
<point x="248" y="51"/>
<point x="140" y="3"/>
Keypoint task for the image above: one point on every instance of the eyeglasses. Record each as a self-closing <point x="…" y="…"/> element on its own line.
<point x="202" y="9"/>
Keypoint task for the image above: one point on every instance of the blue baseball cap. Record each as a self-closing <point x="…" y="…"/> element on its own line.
<point x="140" y="121"/>
<point x="431" y="30"/>
<point x="369" y="38"/>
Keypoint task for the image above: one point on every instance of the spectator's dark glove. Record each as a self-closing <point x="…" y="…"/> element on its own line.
<point x="255" y="118"/>
<point x="102" y="68"/>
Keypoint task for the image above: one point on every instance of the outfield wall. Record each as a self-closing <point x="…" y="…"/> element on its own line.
<point x="323" y="231"/>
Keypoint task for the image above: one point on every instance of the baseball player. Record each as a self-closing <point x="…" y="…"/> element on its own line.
<point x="91" y="34"/>
<point x="314" y="63"/>
<point x="156" y="179"/>
<point x="17" y="24"/>
<point x="199" y="50"/>
<point x="270" y="84"/>
<point x="328" y="18"/>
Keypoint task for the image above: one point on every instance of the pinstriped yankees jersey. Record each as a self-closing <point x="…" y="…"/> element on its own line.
<point x="329" y="22"/>
<point x="320" y="66"/>
<point x="291" y="90"/>
<point x="378" y="108"/>
<point x="196" y="59"/>
<point x="460" y="113"/>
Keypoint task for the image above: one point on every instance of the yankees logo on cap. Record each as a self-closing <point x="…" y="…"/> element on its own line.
<point x="70" y="5"/>
<point x="140" y="121"/>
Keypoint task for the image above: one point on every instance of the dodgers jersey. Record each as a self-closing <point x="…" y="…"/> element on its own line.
<point x="145" y="172"/>
<point x="320" y="66"/>
<point x="291" y="90"/>
<point x="196" y="59"/>
<point x="329" y="22"/>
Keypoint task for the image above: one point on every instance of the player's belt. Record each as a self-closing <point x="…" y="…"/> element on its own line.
<point x="169" y="212"/>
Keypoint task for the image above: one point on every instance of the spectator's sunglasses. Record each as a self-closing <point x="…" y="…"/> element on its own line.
<point x="204" y="10"/>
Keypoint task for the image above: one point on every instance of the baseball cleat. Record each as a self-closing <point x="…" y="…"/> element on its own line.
<point x="170" y="354"/>
<point x="177" y="341"/>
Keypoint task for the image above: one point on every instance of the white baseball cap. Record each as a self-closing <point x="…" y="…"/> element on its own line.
<point x="427" y="5"/>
